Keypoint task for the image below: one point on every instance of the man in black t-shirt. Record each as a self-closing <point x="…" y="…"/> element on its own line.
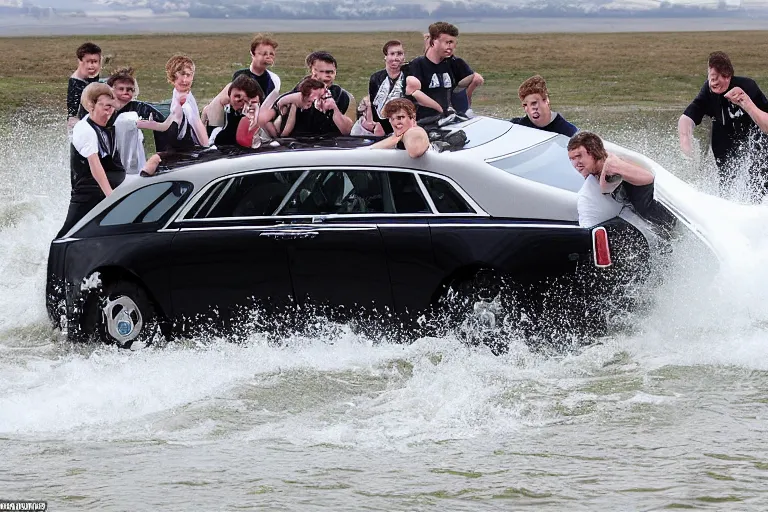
<point x="734" y="132"/>
<point x="327" y="115"/>
<point x="534" y="97"/>
<point x="435" y="75"/>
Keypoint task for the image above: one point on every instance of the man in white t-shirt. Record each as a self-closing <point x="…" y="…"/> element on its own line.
<point x="611" y="184"/>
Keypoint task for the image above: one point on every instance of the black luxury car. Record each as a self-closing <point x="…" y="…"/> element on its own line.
<point x="487" y="234"/>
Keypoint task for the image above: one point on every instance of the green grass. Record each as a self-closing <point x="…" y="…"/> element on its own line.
<point x="646" y="70"/>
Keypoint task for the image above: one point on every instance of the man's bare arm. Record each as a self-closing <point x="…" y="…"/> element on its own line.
<point x="685" y="130"/>
<point x="99" y="174"/>
<point x="477" y="81"/>
<point x="416" y="141"/>
<point x="413" y="88"/>
<point x="737" y="96"/>
<point x="629" y="172"/>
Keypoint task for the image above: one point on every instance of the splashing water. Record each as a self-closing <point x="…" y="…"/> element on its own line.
<point x="333" y="417"/>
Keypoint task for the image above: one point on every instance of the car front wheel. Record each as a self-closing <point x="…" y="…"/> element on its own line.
<point x="127" y="316"/>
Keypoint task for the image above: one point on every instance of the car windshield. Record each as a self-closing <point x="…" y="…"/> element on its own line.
<point x="545" y="163"/>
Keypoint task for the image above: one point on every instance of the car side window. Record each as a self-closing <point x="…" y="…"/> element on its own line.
<point x="328" y="192"/>
<point x="249" y="195"/>
<point x="147" y="204"/>
<point x="446" y="198"/>
<point x="406" y="193"/>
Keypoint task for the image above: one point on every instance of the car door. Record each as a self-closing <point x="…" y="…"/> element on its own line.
<point x="406" y="233"/>
<point x="227" y="259"/>
<point x="336" y="253"/>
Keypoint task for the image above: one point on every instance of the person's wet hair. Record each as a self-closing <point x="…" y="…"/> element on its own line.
<point x="264" y="39"/>
<point x="394" y="106"/>
<point x="591" y="143"/>
<point x="441" y="27"/>
<point x="720" y="62"/>
<point x="121" y="75"/>
<point x="534" y="85"/>
<point x="320" y="56"/>
<point x="86" y="49"/>
<point x="93" y="92"/>
<point x="309" y="84"/>
<point x="176" y="64"/>
<point x="248" y="85"/>
<point x="390" y="44"/>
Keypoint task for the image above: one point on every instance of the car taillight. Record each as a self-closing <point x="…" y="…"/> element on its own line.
<point x="600" y="247"/>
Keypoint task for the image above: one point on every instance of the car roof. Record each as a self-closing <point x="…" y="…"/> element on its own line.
<point x="498" y="192"/>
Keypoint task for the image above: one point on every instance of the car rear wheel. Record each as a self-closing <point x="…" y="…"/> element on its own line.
<point x="126" y="316"/>
<point x="480" y="310"/>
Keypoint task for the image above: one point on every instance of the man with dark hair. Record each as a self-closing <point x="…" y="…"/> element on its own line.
<point x="88" y="68"/>
<point x="263" y="50"/>
<point x="734" y="132"/>
<point x="435" y="75"/>
<point x="387" y="84"/>
<point x="245" y="96"/>
<point x="611" y="183"/>
<point x="327" y="115"/>
<point x="534" y="97"/>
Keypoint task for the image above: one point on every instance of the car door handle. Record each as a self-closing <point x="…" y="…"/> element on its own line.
<point x="289" y="235"/>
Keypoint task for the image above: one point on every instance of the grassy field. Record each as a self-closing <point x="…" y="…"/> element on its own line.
<point x="638" y="70"/>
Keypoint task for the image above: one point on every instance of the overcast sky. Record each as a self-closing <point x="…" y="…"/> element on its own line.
<point x="748" y="4"/>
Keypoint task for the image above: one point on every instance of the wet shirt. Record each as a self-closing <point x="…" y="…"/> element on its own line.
<point x="438" y="80"/>
<point x="74" y="93"/>
<point x="312" y="122"/>
<point x="381" y="90"/>
<point x="731" y="126"/>
<point x="88" y="138"/>
<point x="144" y="111"/>
<point x="227" y="136"/>
<point x="558" y="124"/>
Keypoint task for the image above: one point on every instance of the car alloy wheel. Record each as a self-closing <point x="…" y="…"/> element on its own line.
<point x="127" y="317"/>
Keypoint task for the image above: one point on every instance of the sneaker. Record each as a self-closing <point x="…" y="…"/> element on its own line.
<point x="469" y="113"/>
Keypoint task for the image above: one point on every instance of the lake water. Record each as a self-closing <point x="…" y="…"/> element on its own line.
<point x="670" y="414"/>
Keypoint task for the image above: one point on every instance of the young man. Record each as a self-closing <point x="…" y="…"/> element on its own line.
<point x="386" y="85"/>
<point x="734" y="131"/>
<point x="88" y="69"/>
<point x="280" y="119"/>
<point x="435" y="75"/>
<point x="534" y="97"/>
<point x="327" y="115"/>
<point x="245" y="96"/>
<point x="95" y="166"/>
<point x="130" y="116"/>
<point x="180" y="71"/>
<point x="263" y="50"/>
<point x="407" y="135"/>
<point x="611" y="183"/>
<point x="190" y="131"/>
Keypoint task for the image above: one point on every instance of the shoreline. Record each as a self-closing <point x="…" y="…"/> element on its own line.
<point x="19" y="26"/>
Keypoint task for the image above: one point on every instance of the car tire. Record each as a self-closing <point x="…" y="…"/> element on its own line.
<point x="479" y="309"/>
<point x="126" y="316"/>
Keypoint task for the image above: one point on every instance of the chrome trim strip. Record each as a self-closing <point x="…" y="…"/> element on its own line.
<point x="368" y="227"/>
<point x="193" y="200"/>
<point x="282" y="228"/>
<point x="425" y="193"/>
<point x="511" y="225"/>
